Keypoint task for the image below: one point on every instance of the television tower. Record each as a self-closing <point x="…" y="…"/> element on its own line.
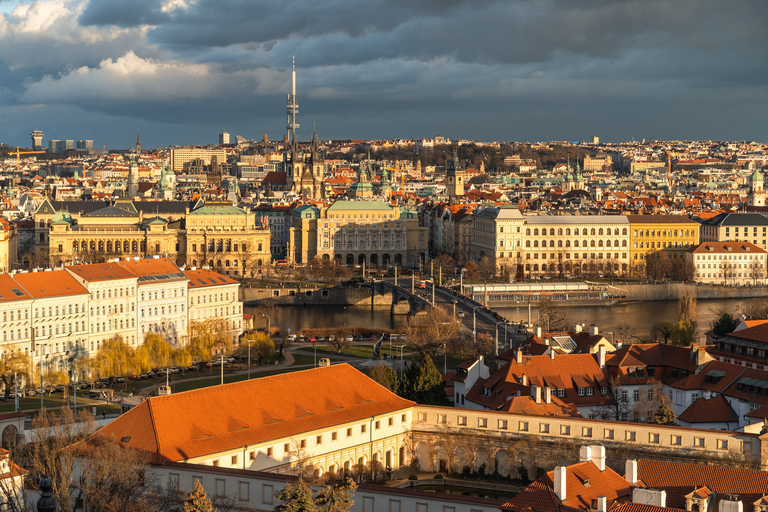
<point x="291" y="109"/>
<point x="37" y="140"/>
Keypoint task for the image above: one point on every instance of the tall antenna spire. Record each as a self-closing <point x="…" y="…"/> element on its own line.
<point x="292" y="108"/>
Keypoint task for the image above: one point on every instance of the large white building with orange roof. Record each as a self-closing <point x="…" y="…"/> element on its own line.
<point x="59" y="315"/>
<point x="112" y="305"/>
<point x="212" y="295"/>
<point x="162" y="297"/>
<point x="15" y="307"/>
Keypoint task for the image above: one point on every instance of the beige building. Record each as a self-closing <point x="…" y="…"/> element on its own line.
<point x="736" y="227"/>
<point x="373" y="233"/>
<point x="212" y="296"/>
<point x="184" y="155"/>
<point x="497" y="233"/>
<point x="215" y="234"/>
<point x="729" y="263"/>
<point x="576" y="244"/>
<point x="651" y="233"/>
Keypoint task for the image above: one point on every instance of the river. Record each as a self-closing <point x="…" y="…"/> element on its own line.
<point x="639" y="316"/>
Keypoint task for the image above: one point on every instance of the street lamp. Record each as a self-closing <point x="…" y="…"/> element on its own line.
<point x="345" y="316"/>
<point x="496" y="331"/>
<point x="269" y="324"/>
<point x="249" y="359"/>
<point x="42" y="393"/>
<point x="474" y="322"/>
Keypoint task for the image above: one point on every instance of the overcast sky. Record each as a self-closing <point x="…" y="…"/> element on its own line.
<point x="181" y="71"/>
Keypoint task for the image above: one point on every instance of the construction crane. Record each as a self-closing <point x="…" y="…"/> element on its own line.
<point x="18" y="157"/>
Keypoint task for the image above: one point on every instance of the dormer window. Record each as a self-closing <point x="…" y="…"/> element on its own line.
<point x="486" y="391"/>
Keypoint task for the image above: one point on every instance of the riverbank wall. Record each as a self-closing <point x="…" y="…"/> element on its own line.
<point x="360" y="296"/>
<point x="672" y="291"/>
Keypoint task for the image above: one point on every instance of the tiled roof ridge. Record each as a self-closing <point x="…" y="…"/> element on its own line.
<point x="152" y="422"/>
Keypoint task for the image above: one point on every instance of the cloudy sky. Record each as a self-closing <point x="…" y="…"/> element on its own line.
<point x="181" y="71"/>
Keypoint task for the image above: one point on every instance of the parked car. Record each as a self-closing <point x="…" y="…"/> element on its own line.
<point x="349" y="339"/>
<point x="291" y="338"/>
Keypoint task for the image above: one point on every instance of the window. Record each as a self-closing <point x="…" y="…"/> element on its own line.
<point x="349" y="432"/>
<point x="303" y="443"/>
<point x="461" y="421"/>
<point x="653" y="438"/>
<point x="630" y="436"/>
<point x="363" y="429"/>
<point x="390" y="421"/>
<point x="221" y="487"/>
<point x="722" y="444"/>
<point x="442" y="418"/>
<point x="216" y="463"/>
<point x="319" y="440"/>
<point x="377" y="425"/>
<point x="234" y="460"/>
<point x="521" y="426"/>
<point x="482" y="422"/>
<point x="544" y="428"/>
<point x="608" y="433"/>
<point x="676" y="440"/>
<point x="286" y="447"/>
<point x="586" y="431"/>
<point x="565" y="430"/>
<point x="334" y="436"/>
<point x="699" y="442"/>
<point x="422" y="416"/>
<point x="243" y="491"/>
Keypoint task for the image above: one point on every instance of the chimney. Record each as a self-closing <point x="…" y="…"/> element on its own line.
<point x="577" y="328"/>
<point x="551" y="353"/>
<point x="538" y="331"/>
<point x="694" y="349"/>
<point x="601" y="356"/>
<point x="653" y="497"/>
<point x="619" y="344"/>
<point x="630" y="471"/>
<point x="546" y="341"/>
<point x="560" y="482"/>
<point x="593" y="330"/>
<point x="602" y="504"/>
<point x="524" y="380"/>
<point x="730" y="503"/>
<point x="598" y="457"/>
<point x="519" y="356"/>
<point x="701" y="356"/>
<point x="585" y="453"/>
<point x="536" y="394"/>
<point x="548" y="395"/>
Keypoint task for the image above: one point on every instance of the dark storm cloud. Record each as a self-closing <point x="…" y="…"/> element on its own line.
<point x="490" y="69"/>
<point x="123" y="14"/>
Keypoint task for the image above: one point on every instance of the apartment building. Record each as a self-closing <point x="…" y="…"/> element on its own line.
<point x="651" y="233"/>
<point x="729" y="263"/>
<point x="497" y="233"/>
<point x="736" y="227"/>
<point x="212" y="295"/>
<point x="112" y="303"/>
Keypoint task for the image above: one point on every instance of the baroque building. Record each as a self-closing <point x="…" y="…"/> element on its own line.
<point x="204" y="233"/>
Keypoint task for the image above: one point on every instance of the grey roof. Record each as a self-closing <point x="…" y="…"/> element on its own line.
<point x="576" y="219"/>
<point x="110" y="211"/>
<point x="737" y="219"/>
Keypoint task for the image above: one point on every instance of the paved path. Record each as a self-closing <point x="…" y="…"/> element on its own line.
<point x="287" y="361"/>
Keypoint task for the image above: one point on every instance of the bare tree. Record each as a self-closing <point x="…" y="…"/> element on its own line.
<point x="429" y="333"/>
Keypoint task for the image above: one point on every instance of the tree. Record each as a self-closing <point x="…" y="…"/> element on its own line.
<point x="261" y="346"/>
<point x="724" y="324"/>
<point x="155" y="352"/>
<point x="208" y="337"/>
<point x="14" y="365"/>
<point x="385" y="376"/>
<point x="471" y="271"/>
<point x="431" y="332"/>
<point x="653" y="404"/>
<point x="686" y="314"/>
<point x="726" y="270"/>
<point x="197" y="501"/>
<point x="553" y="314"/>
<point x="663" y="329"/>
<point x="657" y="265"/>
<point x="487" y="268"/>
<point x="296" y="497"/>
<point x="269" y="312"/>
<point x="424" y="384"/>
<point x="337" y="497"/>
<point x="115" y="357"/>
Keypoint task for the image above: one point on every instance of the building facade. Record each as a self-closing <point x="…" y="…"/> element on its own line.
<point x="729" y="263"/>
<point x="650" y="233"/>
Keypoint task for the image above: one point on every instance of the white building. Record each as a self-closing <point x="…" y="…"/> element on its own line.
<point x="15" y="311"/>
<point x="162" y="297"/>
<point x="212" y="295"/>
<point x="729" y="263"/>
<point x="112" y="305"/>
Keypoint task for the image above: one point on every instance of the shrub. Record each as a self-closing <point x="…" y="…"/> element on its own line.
<point x="413" y="477"/>
<point x="437" y="476"/>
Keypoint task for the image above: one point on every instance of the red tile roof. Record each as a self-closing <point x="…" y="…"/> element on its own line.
<point x="56" y="283"/>
<point x="153" y="267"/>
<point x="679" y="479"/>
<point x="715" y="410"/>
<point x="196" y="423"/>
<point x="202" y="277"/>
<point x="10" y="290"/>
<point x="100" y="272"/>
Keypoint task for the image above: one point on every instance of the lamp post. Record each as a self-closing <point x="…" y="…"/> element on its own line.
<point x="496" y="331"/>
<point x="249" y="359"/>
<point x="474" y="322"/>
<point x="269" y="324"/>
<point x="345" y="316"/>
<point x="222" y="369"/>
<point x="42" y="392"/>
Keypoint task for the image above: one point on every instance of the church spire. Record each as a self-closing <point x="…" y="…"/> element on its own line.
<point x="138" y="144"/>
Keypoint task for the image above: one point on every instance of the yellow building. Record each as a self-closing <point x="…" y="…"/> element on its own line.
<point x="373" y="233"/>
<point x="213" y="234"/>
<point x="651" y="233"/>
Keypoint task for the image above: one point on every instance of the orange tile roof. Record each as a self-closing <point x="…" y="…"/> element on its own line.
<point x="196" y="423"/>
<point x="584" y="482"/>
<point x="679" y="479"/>
<point x="100" y="272"/>
<point x="56" y="283"/>
<point x="8" y="290"/>
<point x="203" y="277"/>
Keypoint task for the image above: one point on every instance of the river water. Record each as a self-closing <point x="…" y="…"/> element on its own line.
<point x="639" y="316"/>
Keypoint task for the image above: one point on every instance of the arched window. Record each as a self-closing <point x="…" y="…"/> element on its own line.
<point x="551" y="243"/>
<point x="584" y="232"/>
<point x="568" y="231"/>
<point x="592" y="243"/>
<point x="536" y="232"/>
<point x="560" y="231"/>
<point x="607" y="243"/>
<point x="528" y="231"/>
<point x="575" y="243"/>
<point x="599" y="243"/>
<point x="600" y="232"/>
<point x="624" y="231"/>
<point x="535" y="243"/>
<point x="551" y="231"/>
<point x="568" y="243"/>
<point x="623" y="243"/>
<point x="593" y="231"/>
<point x="559" y="243"/>
<point x="527" y="243"/>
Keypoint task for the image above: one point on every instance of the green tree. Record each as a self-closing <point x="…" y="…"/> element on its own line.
<point x="197" y="501"/>
<point x="262" y="346"/>
<point x="724" y="324"/>
<point x="296" y="497"/>
<point x="653" y="404"/>
<point x="385" y="376"/>
<point x="207" y="338"/>
<point x="424" y="384"/>
<point x="115" y="357"/>
<point x="336" y="498"/>
<point x="686" y="315"/>
<point x="155" y="352"/>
